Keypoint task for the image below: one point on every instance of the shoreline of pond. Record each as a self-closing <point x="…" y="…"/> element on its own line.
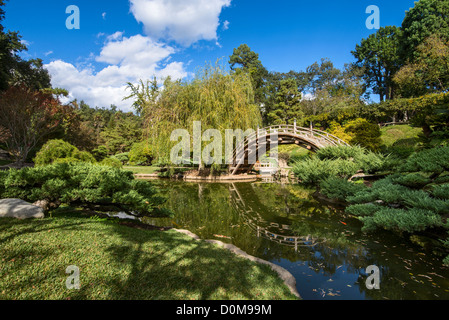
<point x="199" y="178"/>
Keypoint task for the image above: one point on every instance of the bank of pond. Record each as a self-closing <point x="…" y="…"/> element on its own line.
<point x="316" y="241"/>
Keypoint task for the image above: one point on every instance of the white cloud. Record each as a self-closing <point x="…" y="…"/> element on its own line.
<point x="184" y="21"/>
<point x="113" y="37"/>
<point x="127" y="60"/>
<point x="104" y="15"/>
<point x="226" y="25"/>
<point x="136" y="50"/>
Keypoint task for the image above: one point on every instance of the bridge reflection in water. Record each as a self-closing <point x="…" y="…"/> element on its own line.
<point x="276" y="232"/>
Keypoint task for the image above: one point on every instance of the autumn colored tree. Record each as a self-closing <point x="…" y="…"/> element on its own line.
<point x="27" y="117"/>
<point x="429" y="73"/>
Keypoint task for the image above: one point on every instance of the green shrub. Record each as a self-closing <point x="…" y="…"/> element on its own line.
<point x="363" y="210"/>
<point x="423" y="200"/>
<point x="111" y="162"/>
<point x="100" y="153"/>
<point x="60" y="151"/>
<point x="440" y="191"/>
<point x="391" y="205"/>
<point x="52" y="150"/>
<point x="414" y="180"/>
<point x="83" y="156"/>
<point x="435" y="160"/>
<point x="412" y="220"/>
<point x="364" y="134"/>
<point x="122" y="157"/>
<point x="141" y="154"/>
<point x="337" y="161"/>
<point x="382" y="190"/>
<point x="339" y="189"/>
<point x="366" y="160"/>
<point x="82" y="184"/>
<point x="340" y="152"/>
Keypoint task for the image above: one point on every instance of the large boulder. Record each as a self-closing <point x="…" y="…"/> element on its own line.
<point x="16" y="208"/>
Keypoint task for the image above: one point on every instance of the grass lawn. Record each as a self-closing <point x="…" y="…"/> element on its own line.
<point x="400" y="135"/>
<point x="118" y="262"/>
<point x="141" y="169"/>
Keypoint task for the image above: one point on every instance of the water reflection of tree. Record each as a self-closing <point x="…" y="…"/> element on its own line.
<point x="207" y="210"/>
<point x="308" y="218"/>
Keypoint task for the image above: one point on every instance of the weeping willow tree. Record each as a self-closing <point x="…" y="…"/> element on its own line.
<point x="216" y="98"/>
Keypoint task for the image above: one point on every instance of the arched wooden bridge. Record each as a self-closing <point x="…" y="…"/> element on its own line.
<point x="308" y="138"/>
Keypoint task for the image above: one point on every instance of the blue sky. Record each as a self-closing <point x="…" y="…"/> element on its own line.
<point x="127" y="40"/>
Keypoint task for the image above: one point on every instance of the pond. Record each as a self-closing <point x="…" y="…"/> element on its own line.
<point x="323" y="248"/>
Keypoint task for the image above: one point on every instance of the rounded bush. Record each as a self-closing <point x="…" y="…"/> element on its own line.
<point x="60" y="151"/>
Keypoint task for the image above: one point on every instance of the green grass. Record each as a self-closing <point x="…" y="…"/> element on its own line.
<point x="141" y="169"/>
<point x="400" y="141"/>
<point x="400" y="135"/>
<point x="117" y="262"/>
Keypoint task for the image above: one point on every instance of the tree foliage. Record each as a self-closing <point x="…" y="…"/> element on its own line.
<point x="83" y="185"/>
<point x="27" y="117"/>
<point x="57" y="151"/>
<point x="379" y="56"/>
<point x="244" y="60"/>
<point x="217" y="99"/>
<point x="287" y="107"/>
<point x="426" y="18"/>
<point x="411" y="200"/>
<point x="429" y="71"/>
<point x="13" y="69"/>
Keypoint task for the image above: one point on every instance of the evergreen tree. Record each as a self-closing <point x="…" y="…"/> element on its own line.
<point x="379" y="56"/>
<point x="247" y="61"/>
<point x="287" y="106"/>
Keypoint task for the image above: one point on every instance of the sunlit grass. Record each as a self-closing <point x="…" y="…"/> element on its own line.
<point x="142" y="169"/>
<point x="400" y="134"/>
<point x="120" y="262"/>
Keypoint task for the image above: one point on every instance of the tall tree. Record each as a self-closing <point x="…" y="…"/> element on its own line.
<point x="379" y="56"/>
<point x="217" y="99"/>
<point x="122" y="131"/>
<point x="245" y="60"/>
<point x="429" y="73"/>
<point x="427" y="17"/>
<point x="27" y="117"/>
<point x="287" y="106"/>
<point x="13" y="69"/>
<point x="273" y="86"/>
<point x="321" y="76"/>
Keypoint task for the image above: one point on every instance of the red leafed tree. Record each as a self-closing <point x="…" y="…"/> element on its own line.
<point x="26" y="117"/>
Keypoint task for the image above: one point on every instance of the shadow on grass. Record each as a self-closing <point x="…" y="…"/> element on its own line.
<point x="170" y="266"/>
<point x="122" y="263"/>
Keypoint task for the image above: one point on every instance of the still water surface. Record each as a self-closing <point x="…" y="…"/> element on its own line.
<point x="323" y="248"/>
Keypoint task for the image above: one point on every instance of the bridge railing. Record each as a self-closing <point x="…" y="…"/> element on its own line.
<point x="321" y="136"/>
